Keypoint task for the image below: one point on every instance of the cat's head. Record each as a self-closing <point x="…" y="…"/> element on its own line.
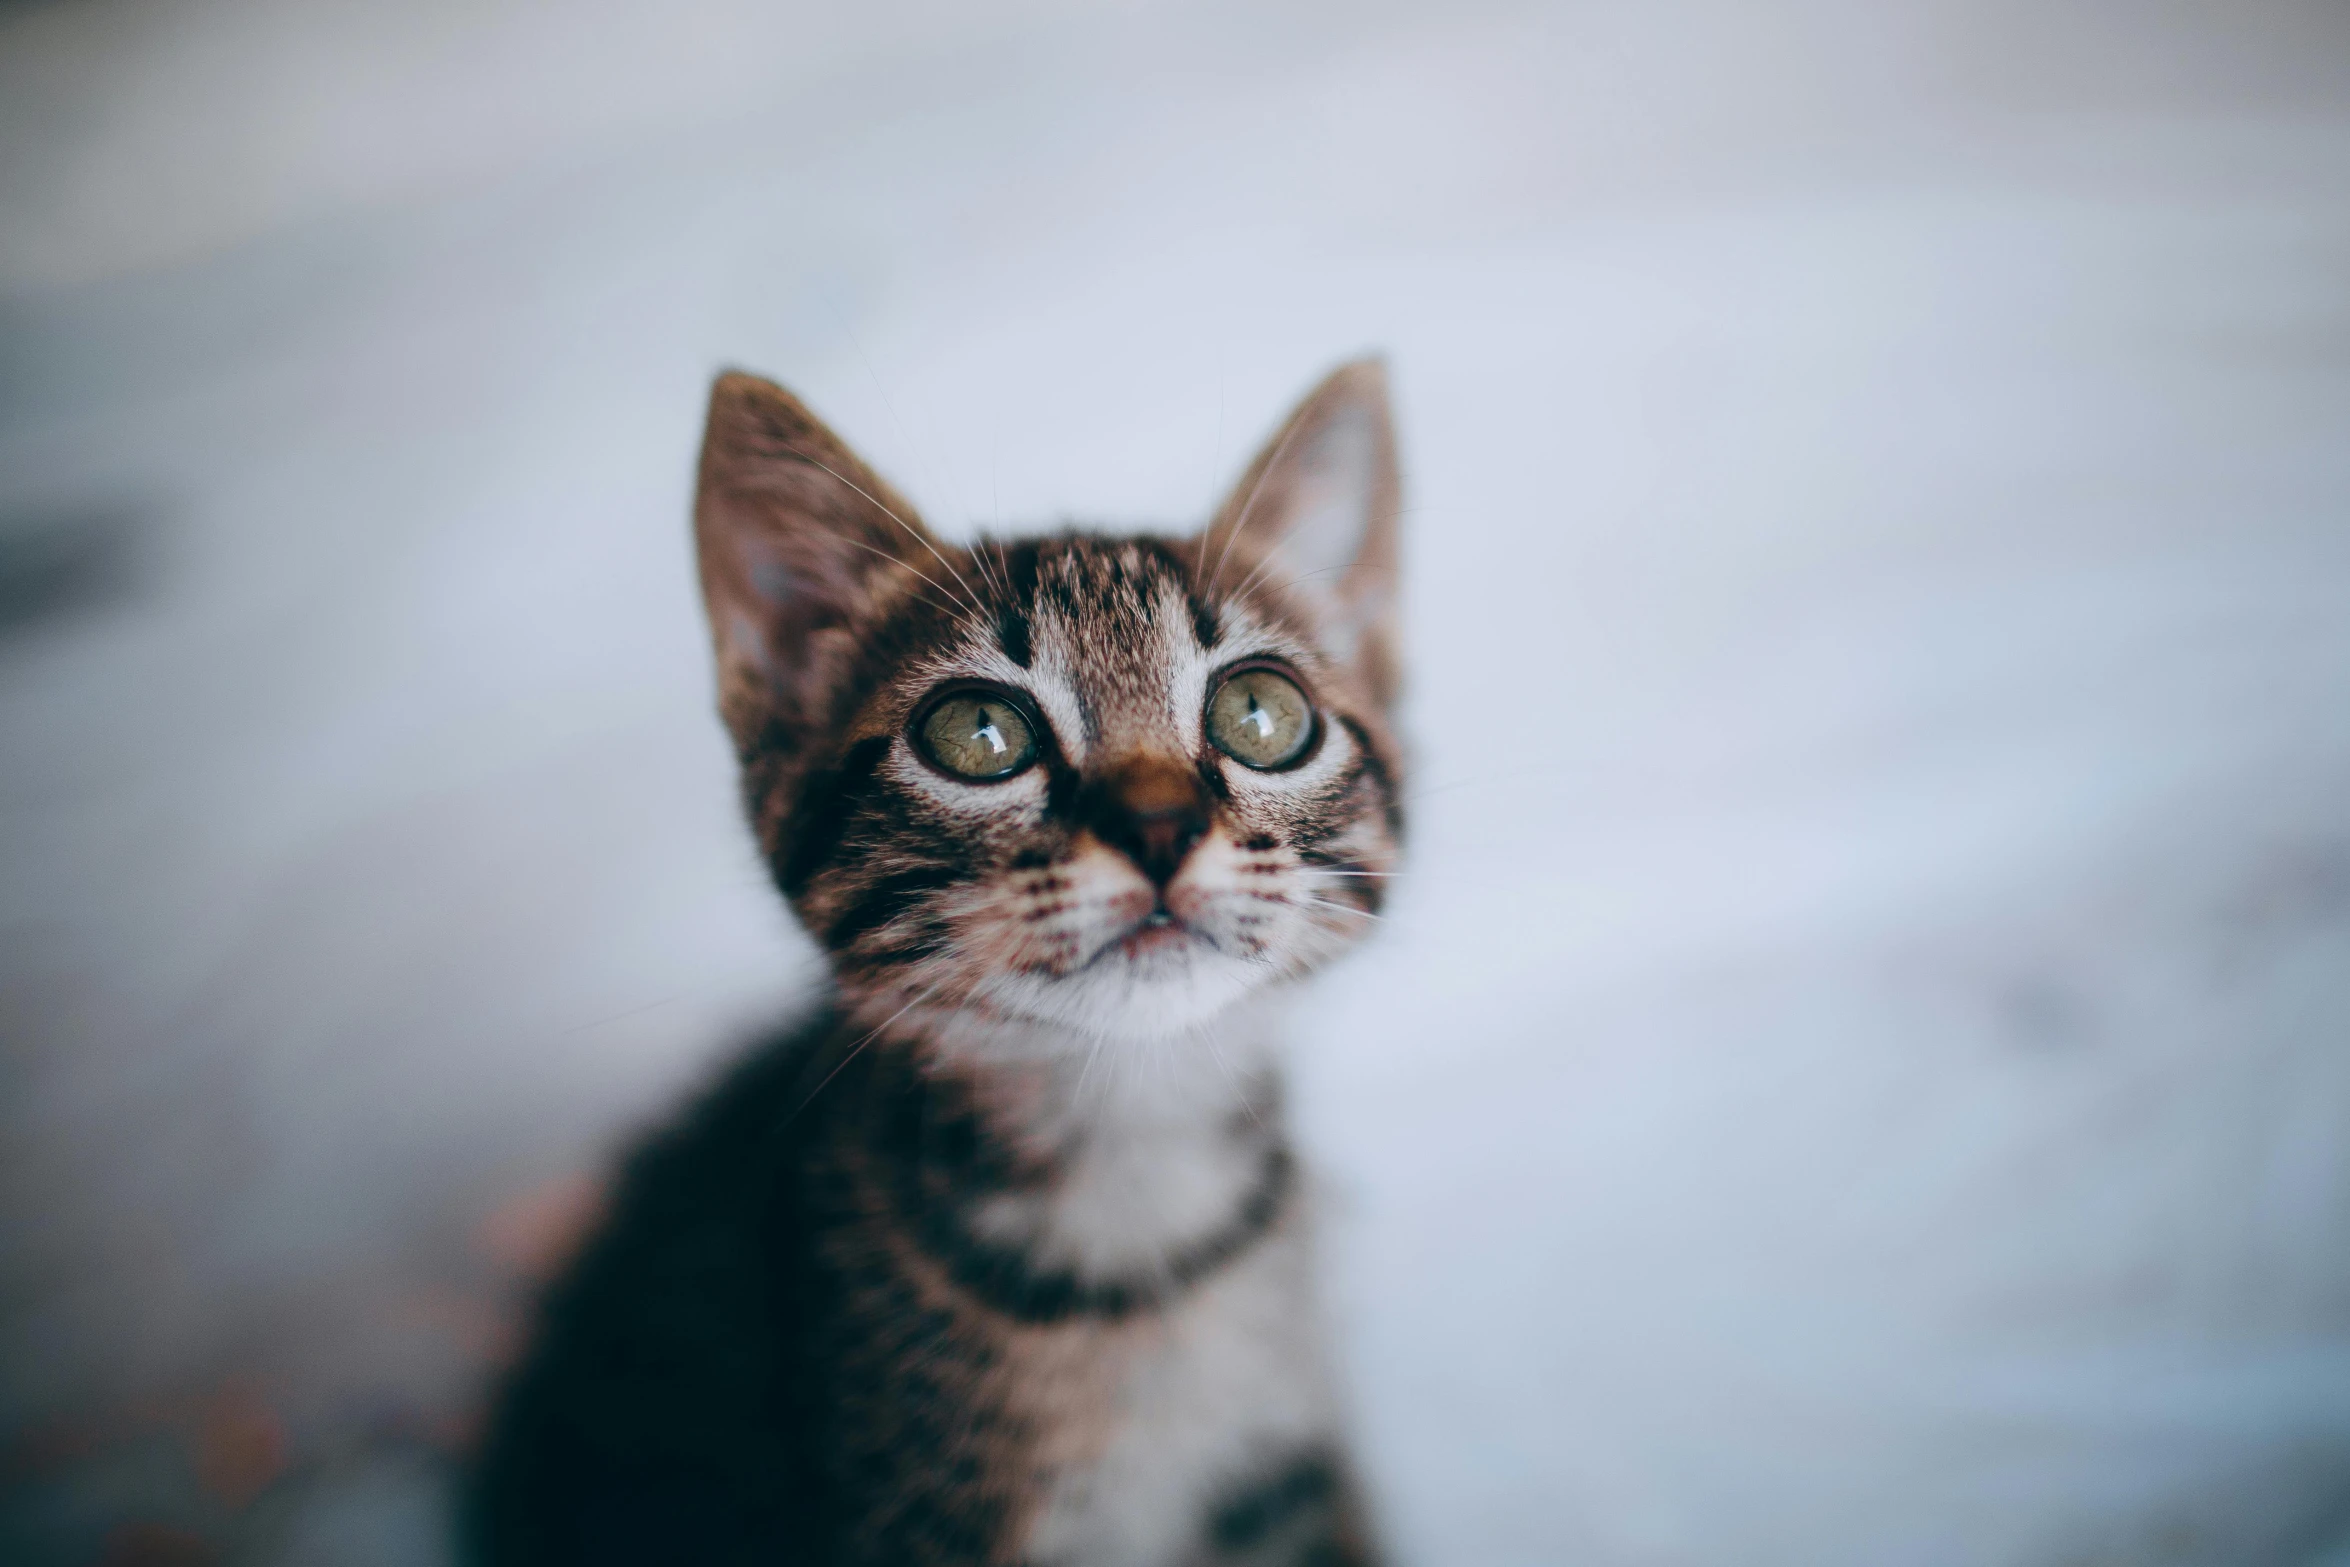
<point x="1115" y="783"/>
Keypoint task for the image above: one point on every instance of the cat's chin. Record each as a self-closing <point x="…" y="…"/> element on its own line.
<point x="1152" y="984"/>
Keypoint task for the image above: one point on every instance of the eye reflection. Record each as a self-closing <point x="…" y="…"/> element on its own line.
<point x="976" y="735"/>
<point x="1260" y="719"/>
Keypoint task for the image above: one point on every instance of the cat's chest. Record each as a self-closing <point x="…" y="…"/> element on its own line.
<point x="1159" y="1419"/>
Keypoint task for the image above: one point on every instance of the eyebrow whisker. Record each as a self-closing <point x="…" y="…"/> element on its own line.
<point x="918" y="535"/>
<point x="1240" y="523"/>
<point x="944" y="609"/>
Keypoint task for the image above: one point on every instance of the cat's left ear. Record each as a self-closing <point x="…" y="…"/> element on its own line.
<point x="799" y="543"/>
<point x="1317" y="511"/>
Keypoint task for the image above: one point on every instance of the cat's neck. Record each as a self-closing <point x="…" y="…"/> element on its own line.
<point x="1143" y="1149"/>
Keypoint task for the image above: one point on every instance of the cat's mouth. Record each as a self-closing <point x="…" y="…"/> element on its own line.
<point x="1159" y="934"/>
<point x="1158" y="931"/>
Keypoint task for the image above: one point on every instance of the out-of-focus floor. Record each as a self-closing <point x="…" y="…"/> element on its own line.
<point x="1861" y="1073"/>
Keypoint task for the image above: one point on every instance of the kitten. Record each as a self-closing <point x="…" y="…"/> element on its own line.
<point x="1001" y="1258"/>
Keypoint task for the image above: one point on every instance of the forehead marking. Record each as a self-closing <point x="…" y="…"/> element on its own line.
<point x="1019" y="597"/>
<point x="1011" y="634"/>
<point x="1113" y="621"/>
<point x="1203" y="621"/>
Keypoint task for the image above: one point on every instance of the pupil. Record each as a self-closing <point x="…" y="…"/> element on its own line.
<point x="989" y="734"/>
<point x="1258" y="719"/>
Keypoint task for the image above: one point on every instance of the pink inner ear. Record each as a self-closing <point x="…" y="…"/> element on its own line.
<point x="1317" y="501"/>
<point x="746" y="642"/>
<point x="1330" y="504"/>
<point x="770" y="578"/>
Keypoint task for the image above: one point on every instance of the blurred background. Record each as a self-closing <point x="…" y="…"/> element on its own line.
<point x="1860" y="1073"/>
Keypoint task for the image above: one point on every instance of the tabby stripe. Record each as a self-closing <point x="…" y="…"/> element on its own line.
<point x="1377" y="768"/>
<point x="1006" y="1280"/>
<point x="821" y="818"/>
<point x="946" y="1158"/>
<point x="883" y="900"/>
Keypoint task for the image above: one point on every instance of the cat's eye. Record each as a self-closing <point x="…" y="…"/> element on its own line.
<point x="1260" y="718"/>
<point x="976" y="735"/>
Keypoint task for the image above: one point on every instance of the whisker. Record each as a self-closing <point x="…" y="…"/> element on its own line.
<point x="1344" y="568"/>
<point x="918" y="535"/>
<point x="1341" y="908"/>
<point x="1330" y="571"/>
<point x="1206" y="1037"/>
<point x="1304" y="900"/>
<point x="956" y="604"/>
<point x="1240" y="523"/>
<point x="1093" y="1053"/>
<point x="1259" y="569"/>
<point x="978" y="547"/>
<point x="858" y="1048"/>
<point x="889" y="404"/>
<point x="987" y="573"/>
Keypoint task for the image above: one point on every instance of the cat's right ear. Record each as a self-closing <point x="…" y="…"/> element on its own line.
<point x="798" y="539"/>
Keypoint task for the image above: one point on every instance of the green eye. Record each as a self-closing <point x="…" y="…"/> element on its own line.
<point x="975" y="735"/>
<point x="1261" y="719"/>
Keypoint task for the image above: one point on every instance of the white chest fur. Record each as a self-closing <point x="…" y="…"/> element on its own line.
<point x="1219" y="1389"/>
<point x="1190" y="1401"/>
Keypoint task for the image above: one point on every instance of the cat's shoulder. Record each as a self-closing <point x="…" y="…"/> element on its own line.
<point x="734" y="1134"/>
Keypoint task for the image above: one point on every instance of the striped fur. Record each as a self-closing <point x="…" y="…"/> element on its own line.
<point x="1003" y="1258"/>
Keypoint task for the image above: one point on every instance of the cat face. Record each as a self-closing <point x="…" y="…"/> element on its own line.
<point x="1110" y="783"/>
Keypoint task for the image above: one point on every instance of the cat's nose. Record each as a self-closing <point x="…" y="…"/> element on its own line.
<point x="1153" y="810"/>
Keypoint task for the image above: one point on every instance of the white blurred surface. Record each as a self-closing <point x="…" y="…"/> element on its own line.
<point x="1861" y="1071"/>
